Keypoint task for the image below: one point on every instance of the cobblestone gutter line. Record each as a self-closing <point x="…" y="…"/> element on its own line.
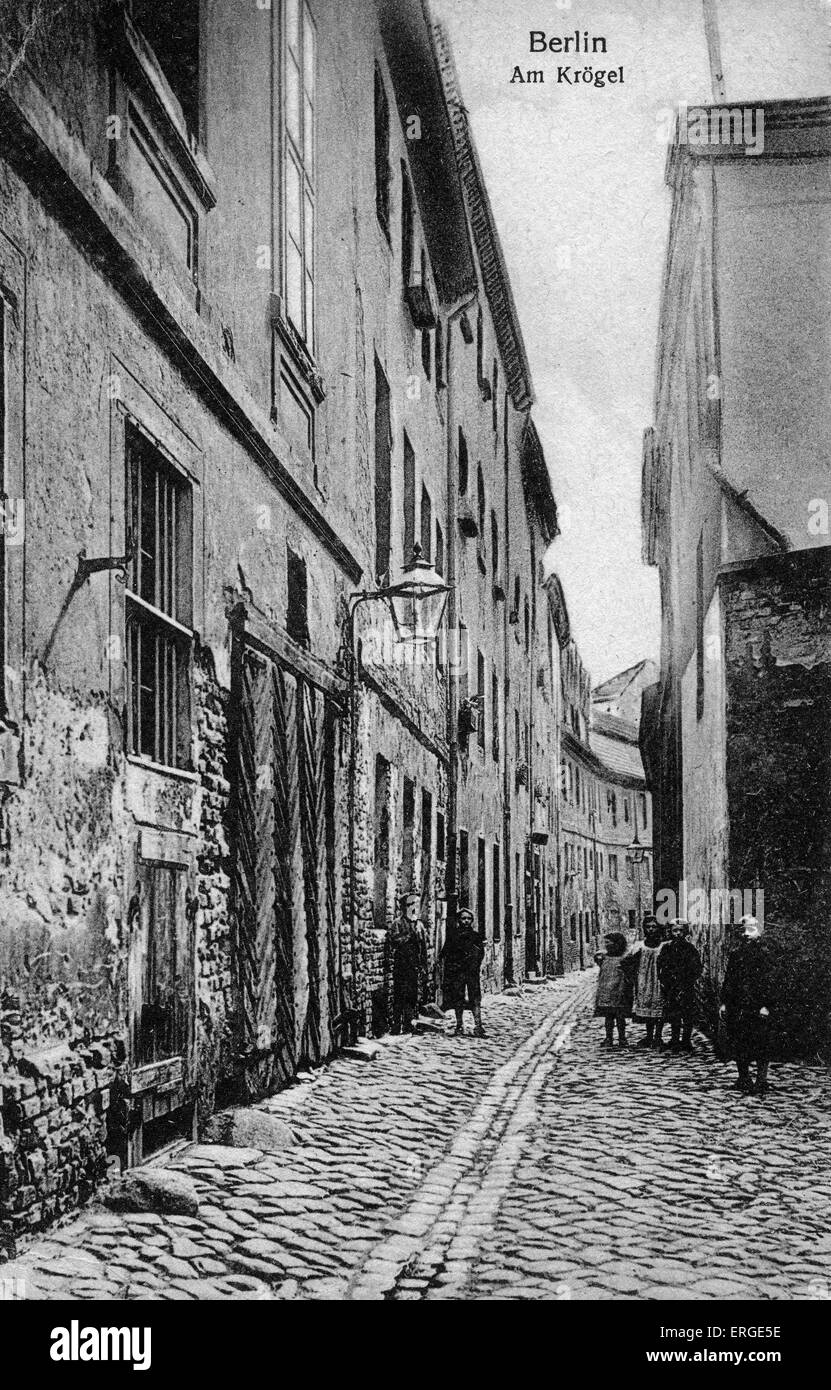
<point x="436" y="1240"/>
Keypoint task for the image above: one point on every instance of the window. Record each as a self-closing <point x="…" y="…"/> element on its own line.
<point x="585" y="862"/>
<point x="480" y="500"/>
<point x="297" y="607"/>
<point x="518" y="888"/>
<point x="630" y="870"/>
<point x="573" y="926"/>
<point x="632" y="919"/>
<point x="611" y="806"/>
<point x="408" y="847"/>
<point x="494" y="545"/>
<point x="517" y="736"/>
<point x="613" y="867"/>
<point x="383" y="473"/>
<point x="382" y="153"/>
<point x="515" y="614"/>
<point x="642" y="800"/>
<point x="496" y="908"/>
<point x="626" y="809"/>
<point x="409" y="500"/>
<point x="464" y="869"/>
<point x="463" y="462"/>
<point x="440" y="377"/>
<point x="577" y="784"/>
<point x="440" y="840"/>
<point x="527" y="626"/>
<point x="462" y="664"/>
<point x="699" y="628"/>
<point x="426" y="524"/>
<point x="299" y="169"/>
<point x="495" y="715"/>
<point x="427" y="352"/>
<point x="480" y="347"/>
<point x="172" y="31"/>
<point x="495" y="398"/>
<point x="439" y="560"/>
<point x="481" y="888"/>
<point x="381" y="827"/>
<point x="426" y="854"/>
<point x="159" y="606"/>
<point x="480" y="690"/>
<point x="407" y="227"/>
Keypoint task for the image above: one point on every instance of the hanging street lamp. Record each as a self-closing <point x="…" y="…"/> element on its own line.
<point x="418" y="601"/>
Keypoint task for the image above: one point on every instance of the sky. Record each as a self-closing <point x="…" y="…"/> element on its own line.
<point x="576" y="179"/>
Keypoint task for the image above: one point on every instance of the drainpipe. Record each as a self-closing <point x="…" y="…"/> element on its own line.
<point x="558" y="829"/>
<point x="450" y="889"/>
<point x="507" y="790"/>
<point x="532" y="730"/>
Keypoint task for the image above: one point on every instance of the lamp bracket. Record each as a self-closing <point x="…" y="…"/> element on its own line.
<point x="88" y="566"/>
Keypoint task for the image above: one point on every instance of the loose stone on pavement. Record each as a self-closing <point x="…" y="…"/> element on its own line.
<point x="526" y="1165"/>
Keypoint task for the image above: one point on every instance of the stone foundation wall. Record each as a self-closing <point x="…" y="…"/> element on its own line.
<point x="215" y="982"/>
<point x="53" y="1136"/>
<point x="777" y="644"/>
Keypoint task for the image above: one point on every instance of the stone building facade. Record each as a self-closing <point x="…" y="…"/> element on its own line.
<point x="605" y="822"/>
<point x="735" y="517"/>
<point x="236" y="371"/>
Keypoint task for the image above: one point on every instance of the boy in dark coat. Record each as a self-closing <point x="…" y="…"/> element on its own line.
<point x="679" y="966"/>
<point x="462" y="960"/>
<point x="746" y="1004"/>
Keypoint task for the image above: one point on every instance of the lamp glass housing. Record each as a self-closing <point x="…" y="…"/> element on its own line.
<point x="418" y="602"/>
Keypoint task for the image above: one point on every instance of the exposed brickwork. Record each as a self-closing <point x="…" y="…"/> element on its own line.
<point x="53" y="1135"/>
<point x="214" y="932"/>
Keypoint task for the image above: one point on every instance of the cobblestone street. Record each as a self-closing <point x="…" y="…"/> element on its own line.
<point x="527" y="1165"/>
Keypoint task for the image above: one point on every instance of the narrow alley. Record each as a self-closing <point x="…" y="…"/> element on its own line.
<point x="529" y="1165"/>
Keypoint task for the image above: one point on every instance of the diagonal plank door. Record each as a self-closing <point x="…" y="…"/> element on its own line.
<point x="285" y="870"/>
<point x="263" y="895"/>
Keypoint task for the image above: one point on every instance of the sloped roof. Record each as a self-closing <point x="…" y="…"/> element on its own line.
<point x="619" y="755"/>
<point x="615" y="685"/>
<point x="615" y="727"/>
<point x="489" y="247"/>
<point x="536" y="482"/>
<point x="406" y="28"/>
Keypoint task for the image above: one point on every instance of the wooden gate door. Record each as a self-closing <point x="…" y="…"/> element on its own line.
<point x="162" y="1008"/>
<point x="285" y="869"/>
<point x="266" y="859"/>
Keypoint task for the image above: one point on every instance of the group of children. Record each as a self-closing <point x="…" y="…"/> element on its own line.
<point x="636" y="984"/>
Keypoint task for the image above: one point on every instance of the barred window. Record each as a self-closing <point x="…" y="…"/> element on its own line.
<point x="159" y="606"/>
<point x="299" y="170"/>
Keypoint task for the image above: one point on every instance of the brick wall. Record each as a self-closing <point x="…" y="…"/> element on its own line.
<point x="53" y="1135"/>
<point x="214" y="925"/>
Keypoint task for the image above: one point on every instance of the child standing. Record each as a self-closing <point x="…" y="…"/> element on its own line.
<point x="649" y="999"/>
<point x="614" y="988"/>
